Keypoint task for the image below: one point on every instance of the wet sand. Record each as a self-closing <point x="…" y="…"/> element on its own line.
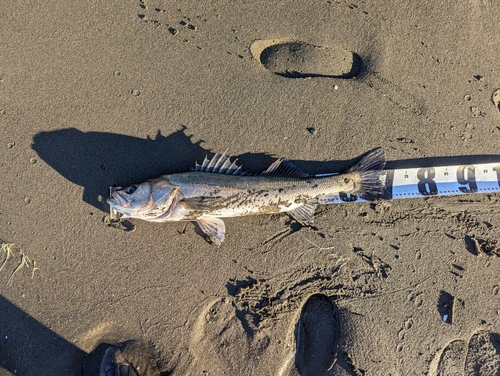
<point x="100" y="93"/>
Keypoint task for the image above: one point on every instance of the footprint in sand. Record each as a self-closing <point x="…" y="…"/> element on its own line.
<point x="317" y="336"/>
<point x="480" y="356"/>
<point x="483" y="354"/>
<point x="297" y="59"/>
<point x="450" y="360"/>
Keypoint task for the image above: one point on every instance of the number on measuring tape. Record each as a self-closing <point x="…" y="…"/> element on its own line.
<point x="427" y="186"/>
<point x="469" y="180"/>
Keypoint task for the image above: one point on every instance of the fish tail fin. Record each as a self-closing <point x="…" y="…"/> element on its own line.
<point x="370" y="168"/>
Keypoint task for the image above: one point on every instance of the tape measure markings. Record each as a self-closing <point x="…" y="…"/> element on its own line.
<point x="433" y="181"/>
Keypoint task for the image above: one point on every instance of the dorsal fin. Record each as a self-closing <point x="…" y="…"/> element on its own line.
<point x="220" y="164"/>
<point x="283" y="167"/>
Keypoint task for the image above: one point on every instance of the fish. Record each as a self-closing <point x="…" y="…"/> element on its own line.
<point x="219" y="188"/>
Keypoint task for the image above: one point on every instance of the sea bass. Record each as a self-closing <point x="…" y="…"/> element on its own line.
<point x="219" y="188"/>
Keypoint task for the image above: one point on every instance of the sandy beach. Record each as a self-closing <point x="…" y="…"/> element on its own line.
<point x="100" y="93"/>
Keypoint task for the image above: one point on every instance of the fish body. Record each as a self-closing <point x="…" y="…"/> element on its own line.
<point x="218" y="188"/>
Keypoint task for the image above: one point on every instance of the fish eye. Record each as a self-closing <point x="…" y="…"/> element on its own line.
<point x="130" y="189"/>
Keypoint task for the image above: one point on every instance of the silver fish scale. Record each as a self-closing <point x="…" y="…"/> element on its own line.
<point x="229" y="196"/>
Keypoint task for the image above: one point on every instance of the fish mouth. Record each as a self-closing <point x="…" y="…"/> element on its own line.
<point x="117" y="199"/>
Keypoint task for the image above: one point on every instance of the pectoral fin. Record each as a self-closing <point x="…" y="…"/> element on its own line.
<point x="304" y="214"/>
<point x="213" y="227"/>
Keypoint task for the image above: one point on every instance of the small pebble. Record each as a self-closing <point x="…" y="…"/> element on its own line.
<point x="33" y="160"/>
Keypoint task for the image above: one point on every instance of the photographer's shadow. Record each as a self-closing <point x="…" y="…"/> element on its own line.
<point x="28" y="347"/>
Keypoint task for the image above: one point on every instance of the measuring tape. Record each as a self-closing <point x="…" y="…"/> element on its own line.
<point x="433" y="181"/>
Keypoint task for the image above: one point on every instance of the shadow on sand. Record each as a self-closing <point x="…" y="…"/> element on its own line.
<point x="27" y="347"/>
<point x="97" y="160"/>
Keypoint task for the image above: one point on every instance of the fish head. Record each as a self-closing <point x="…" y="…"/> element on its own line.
<point x="152" y="200"/>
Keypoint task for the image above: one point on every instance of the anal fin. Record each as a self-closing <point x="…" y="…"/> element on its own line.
<point x="304" y="214"/>
<point x="213" y="227"/>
